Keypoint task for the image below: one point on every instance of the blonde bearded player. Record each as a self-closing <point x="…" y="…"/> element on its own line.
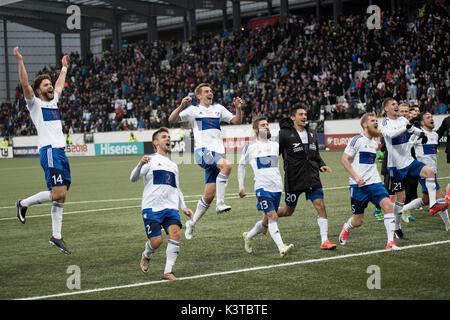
<point x="365" y="182"/>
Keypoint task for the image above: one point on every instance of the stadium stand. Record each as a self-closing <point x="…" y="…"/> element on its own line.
<point x="336" y="72"/>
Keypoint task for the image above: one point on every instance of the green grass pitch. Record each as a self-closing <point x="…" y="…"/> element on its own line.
<point x="103" y="228"/>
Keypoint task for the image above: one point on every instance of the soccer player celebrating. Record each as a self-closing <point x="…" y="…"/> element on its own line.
<point x="365" y="182"/>
<point x="45" y="115"/>
<point x="427" y="154"/>
<point x="302" y="163"/>
<point x="396" y="131"/>
<point x="262" y="154"/>
<point x="205" y="121"/>
<point x="161" y="200"/>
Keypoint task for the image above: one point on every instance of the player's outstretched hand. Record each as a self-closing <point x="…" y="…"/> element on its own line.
<point x="65" y="61"/>
<point x="242" y="193"/>
<point x="186" y="101"/>
<point x="325" y="169"/>
<point x="17" y="54"/>
<point x="238" y="102"/>
<point x="144" y="160"/>
<point x="189" y="213"/>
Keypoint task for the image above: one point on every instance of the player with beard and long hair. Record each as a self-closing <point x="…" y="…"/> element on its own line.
<point x="44" y="113"/>
<point x="365" y="182"/>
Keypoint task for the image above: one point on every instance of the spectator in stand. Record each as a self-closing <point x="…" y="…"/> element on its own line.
<point x="309" y="58"/>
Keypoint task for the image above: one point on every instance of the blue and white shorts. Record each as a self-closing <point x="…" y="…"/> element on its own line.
<point x="208" y="159"/>
<point x="360" y="196"/>
<point x="154" y="220"/>
<point x="56" y="167"/>
<point x="398" y="176"/>
<point x="291" y="198"/>
<point x="267" y="201"/>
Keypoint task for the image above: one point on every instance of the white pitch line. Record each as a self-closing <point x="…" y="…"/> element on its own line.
<point x="200" y="276"/>
<point x="186" y="196"/>
<point x="97" y="210"/>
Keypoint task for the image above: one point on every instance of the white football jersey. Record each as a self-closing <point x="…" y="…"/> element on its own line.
<point x="161" y="184"/>
<point x="263" y="157"/>
<point x="396" y="137"/>
<point x="426" y="153"/>
<point x="47" y="120"/>
<point x="205" y="124"/>
<point x="364" y="153"/>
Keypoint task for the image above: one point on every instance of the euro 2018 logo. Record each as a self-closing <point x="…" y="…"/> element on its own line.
<point x="374" y="21"/>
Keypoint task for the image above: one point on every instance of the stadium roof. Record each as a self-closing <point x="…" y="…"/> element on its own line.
<point x="48" y="15"/>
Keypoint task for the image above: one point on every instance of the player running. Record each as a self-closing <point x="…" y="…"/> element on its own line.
<point x="262" y="154"/>
<point x="44" y="113"/>
<point x="365" y="182"/>
<point x="302" y="163"/>
<point x="205" y="120"/>
<point x="161" y="200"/>
<point x="396" y="131"/>
<point x="427" y="154"/>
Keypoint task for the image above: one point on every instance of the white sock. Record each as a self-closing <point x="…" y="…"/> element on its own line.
<point x="275" y="233"/>
<point x="389" y="224"/>
<point x="323" y="227"/>
<point x="444" y="216"/>
<point x="173" y="248"/>
<point x="221" y="185"/>
<point x="398" y="207"/>
<point x="415" y="204"/>
<point x="40" y="197"/>
<point x="148" y="251"/>
<point x="348" y="226"/>
<point x="57" y="218"/>
<point x="257" y="229"/>
<point x="430" y="183"/>
<point x="444" y="213"/>
<point x="202" y="207"/>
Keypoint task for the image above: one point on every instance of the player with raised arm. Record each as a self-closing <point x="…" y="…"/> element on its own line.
<point x="262" y="154"/>
<point x="396" y="131"/>
<point x="205" y="119"/>
<point x="427" y="154"/>
<point x="365" y="182"/>
<point x="161" y="200"/>
<point x="42" y="103"/>
<point x="302" y="164"/>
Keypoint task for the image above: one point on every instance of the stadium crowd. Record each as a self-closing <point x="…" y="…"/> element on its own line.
<point x="336" y="72"/>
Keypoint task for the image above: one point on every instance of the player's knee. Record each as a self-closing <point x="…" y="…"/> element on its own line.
<point x="427" y="172"/>
<point x="272" y="215"/>
<point x="156" y="242"/>
<point x="224" y="166"/>
<point x="59" y="196"/>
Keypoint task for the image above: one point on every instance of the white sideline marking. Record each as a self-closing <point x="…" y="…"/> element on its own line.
<point x="64" y="294"/>
<point x="186" y="196"/>
<point x="101" y="209"/>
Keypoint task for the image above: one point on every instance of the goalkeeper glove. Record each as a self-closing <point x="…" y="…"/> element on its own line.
<point x="423" y="137"/>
